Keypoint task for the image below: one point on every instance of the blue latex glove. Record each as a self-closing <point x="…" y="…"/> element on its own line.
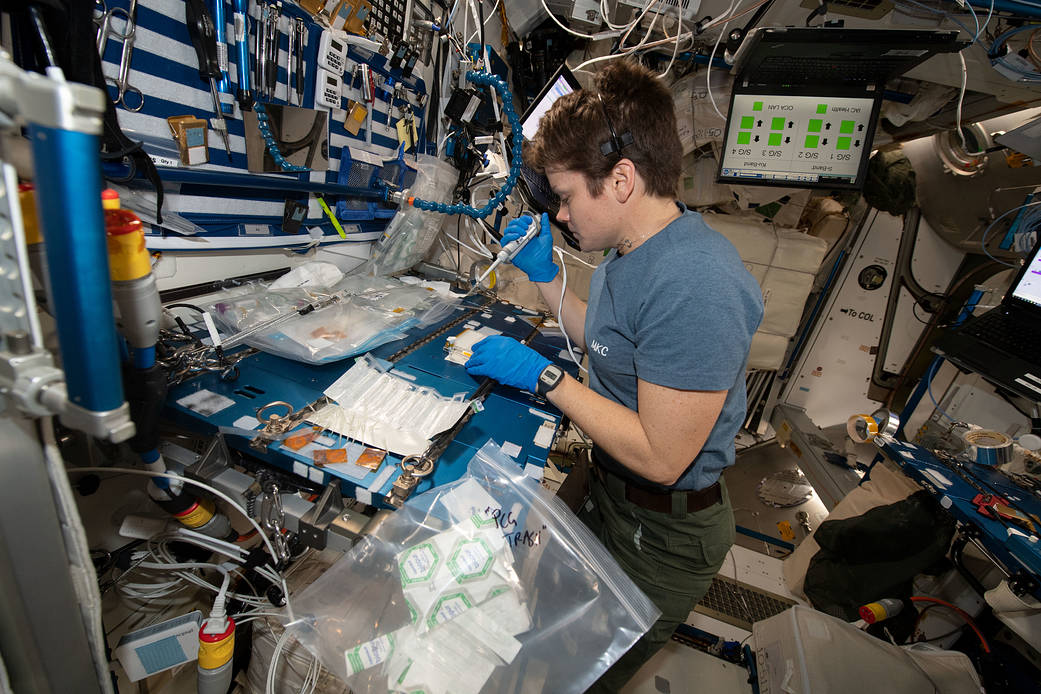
<point x="507" y="361"/>
<point x="536" y="258"/>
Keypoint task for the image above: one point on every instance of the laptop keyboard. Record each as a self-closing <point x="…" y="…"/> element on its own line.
<point x="790" y="69"/>
<point x="1018" y="337"/>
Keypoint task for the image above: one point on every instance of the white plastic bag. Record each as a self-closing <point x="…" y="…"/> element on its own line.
<point x="487" y="584"/>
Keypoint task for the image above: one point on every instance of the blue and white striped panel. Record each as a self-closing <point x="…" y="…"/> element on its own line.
<point x="164" y="67"/>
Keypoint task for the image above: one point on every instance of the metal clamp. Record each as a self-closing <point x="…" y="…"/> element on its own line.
<point x="275" y="423"/>
<point x="273" y="518"/>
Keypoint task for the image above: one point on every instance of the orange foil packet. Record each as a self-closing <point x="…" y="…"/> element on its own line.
<point x="298" y="441"/>
<point x="371" y="458"/>
<point x="330" y="456"/>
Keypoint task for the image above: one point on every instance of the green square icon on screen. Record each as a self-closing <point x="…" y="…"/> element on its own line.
<point x="843" y="143"/>
<point x="777" y="124"/>
<point x="815" y="125"/>
<point x="847" y="127"/>
<point x="811" y="141"/>
<point x="822" y="108"/>
<point x="747" y="122"/>
<point x="744" y="138"/>
<point x="775" y="139"/>
<point x="757" y="106"/>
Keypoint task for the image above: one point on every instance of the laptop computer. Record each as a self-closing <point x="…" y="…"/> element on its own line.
<point x="535" y="188"/>
<point x="805" y="101"/>
<point x="1004" y="344"/>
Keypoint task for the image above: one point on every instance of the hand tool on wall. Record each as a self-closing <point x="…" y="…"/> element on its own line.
<point x="271" y="53"/>
<point x="240" y="14"/>
<point x="220" y="21"/>
<point x="289" y="62"/>
<point x="258" y="49"/>
<point x="298" y="72"/>
<point x="204" y="40"/>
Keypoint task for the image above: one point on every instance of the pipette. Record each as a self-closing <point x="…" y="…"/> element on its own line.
<point x="507" y="254"/>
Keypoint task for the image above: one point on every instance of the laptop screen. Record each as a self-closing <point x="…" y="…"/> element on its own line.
<point x="793" y="140"/>
<point x="1028" y="288"/>
<point x="562" y="82"/>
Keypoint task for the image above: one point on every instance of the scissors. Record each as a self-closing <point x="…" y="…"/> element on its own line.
<point x="106" y="28"/>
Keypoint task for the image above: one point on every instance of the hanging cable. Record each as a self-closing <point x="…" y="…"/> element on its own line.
<point x="708" y="68"/>
<point x="560" y="311"/>
<point x="212" y="490"/>
<point x="679" y="31"/>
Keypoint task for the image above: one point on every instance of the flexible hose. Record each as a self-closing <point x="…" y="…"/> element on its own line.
<point x="486" y="80"/>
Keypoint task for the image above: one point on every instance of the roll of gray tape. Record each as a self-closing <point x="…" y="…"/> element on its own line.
<point x="990" y="448"/>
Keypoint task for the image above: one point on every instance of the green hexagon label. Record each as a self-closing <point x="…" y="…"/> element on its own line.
<point x="413" y="615"/>
<point x="417" y="564"/>
<point x="448" y="607"/>
<point x="470" y="559"/>
<point x="482" y="523"/>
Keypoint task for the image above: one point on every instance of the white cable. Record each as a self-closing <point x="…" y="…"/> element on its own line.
<point x="574" y="257"/>
<point x="611" y="25"/>
<point x="473" y="238"/>
<point x="646" y="35"/>
<point x="610" y="56"/>
<point x="957" y="117"/>
<point x="486" y="20"/>
<point x="474" y="15"/>
<point x="990" y="13"/>
<point x="218" y="603"/>
<point x="467" y="247"/>
<point x="212" y="490"/>
<point x="275" y="655"/>
<point x="976" y="19"/>
<point x="560" y="312"/>
<point x="679" y="31"/>
<point x="164" y="561"/>
<point x="708" y="68"/>
<point x="222" y="547"/>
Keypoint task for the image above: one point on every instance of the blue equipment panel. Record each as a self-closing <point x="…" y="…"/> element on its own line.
<point x="1015" y="547"/>
<point x="506" y="415"/>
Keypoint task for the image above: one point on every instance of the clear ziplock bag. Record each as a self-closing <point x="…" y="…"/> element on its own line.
<point x="487" y="584"/>
<point x="371" y="311"/>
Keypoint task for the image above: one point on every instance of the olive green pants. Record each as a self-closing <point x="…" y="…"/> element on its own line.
<point x="671" y="557"/>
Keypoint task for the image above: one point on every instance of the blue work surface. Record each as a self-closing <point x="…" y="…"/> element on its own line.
<point x="1014" y="547"/>
<point x="507" y="416"/>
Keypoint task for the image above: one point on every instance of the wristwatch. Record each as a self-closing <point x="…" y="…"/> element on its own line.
<point x="549" y="379"/>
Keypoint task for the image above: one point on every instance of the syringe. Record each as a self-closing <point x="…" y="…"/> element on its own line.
<point x="508" y="253"/>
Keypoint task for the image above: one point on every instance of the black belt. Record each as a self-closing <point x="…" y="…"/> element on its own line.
<point x="664" y="501"/>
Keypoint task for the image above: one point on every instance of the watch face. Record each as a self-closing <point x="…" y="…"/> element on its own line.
<point x="549" y="378"/>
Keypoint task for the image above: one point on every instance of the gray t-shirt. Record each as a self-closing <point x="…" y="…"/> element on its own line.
<point x="677" y="311"/>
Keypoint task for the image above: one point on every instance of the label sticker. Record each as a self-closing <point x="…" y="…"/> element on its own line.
<point x="206" y="402"/>
<point x="448" y="608"/>
<point x="368" y="654"/>
<point x="418" y="563"/>
<point x="470" y="559"/>
<point x="246" y="422"/>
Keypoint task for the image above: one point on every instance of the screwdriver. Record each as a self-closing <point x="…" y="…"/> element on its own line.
<point x="203" y="34"/>
<point x="508" y="253"/>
